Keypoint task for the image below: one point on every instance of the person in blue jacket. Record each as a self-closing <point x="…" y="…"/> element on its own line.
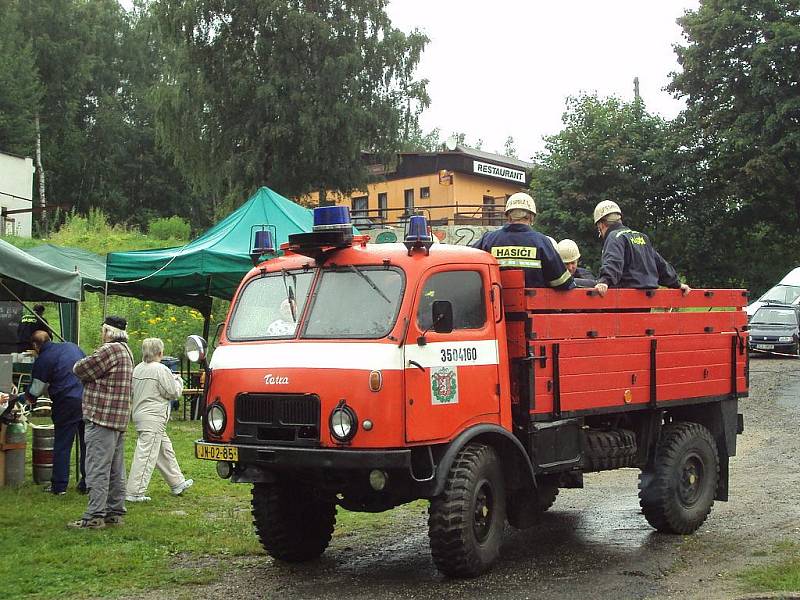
<point x="52" y="370"/>
<point x="629" y="259"/>
<point x="517" y="245"/>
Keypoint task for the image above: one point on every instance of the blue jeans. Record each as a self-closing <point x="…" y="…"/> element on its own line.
<point x="64" y="435"/>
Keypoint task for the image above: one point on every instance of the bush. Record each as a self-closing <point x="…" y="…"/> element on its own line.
<point x="173" y="228"/>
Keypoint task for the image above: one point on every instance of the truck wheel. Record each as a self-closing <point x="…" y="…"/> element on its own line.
<point x="677" y="495"/>
<point x="465" y="522"/>
<point x="291" y="522"/>
<point x="546" y="496"/>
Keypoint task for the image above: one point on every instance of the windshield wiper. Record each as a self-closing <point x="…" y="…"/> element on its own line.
<point x="370" y="282"/>
<point x="290" y="295"/>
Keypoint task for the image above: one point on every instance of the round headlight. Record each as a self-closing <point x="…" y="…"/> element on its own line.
<point x="343" y="423"/>
<point x="216" y="419"/>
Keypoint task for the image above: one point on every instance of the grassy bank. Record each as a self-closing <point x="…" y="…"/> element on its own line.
<point x="781" y="575"/>
<point x="166" y="543"/>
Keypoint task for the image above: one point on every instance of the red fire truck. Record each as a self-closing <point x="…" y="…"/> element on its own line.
<point x="370" y="375"/>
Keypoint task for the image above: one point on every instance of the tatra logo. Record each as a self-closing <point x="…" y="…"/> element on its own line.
<point x="271" y="379"/>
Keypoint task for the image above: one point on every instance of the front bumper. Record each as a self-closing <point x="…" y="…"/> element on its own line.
<point x="781" y="348"/>
<point x="283" y="457"/>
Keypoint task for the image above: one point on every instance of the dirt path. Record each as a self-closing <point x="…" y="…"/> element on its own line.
<point x="594" y="543"/>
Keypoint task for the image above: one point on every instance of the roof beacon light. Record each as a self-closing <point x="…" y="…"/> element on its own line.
<point x="418" y="235"/>
<point x="264" y="242"/>
<point x="332" y="218"/>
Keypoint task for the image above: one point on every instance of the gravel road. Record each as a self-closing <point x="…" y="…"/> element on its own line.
<point x="593" y="543"/>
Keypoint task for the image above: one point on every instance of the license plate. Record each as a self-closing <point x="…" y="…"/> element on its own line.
<point x="764" y="347"/>
<point x="207" y="452"/>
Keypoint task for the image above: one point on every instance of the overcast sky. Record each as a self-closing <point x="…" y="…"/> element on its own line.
<point x="505" y="67"/>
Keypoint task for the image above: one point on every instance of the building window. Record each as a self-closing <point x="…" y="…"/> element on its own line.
<point x="360" y="206"/>
<point x="424" y="192"/>
<point x="408" y="199"/>
<point x="383" y="204"/>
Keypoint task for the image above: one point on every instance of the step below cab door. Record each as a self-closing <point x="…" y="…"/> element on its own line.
<point x="451" y="378"/>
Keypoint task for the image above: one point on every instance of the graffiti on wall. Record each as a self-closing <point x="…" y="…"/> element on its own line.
<point x="462" y="235"/>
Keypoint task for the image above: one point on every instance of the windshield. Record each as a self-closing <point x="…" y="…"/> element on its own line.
<point x="270" y="307"/>
<point x="785" y="294"/>
<point x="774" y="316"/>
<point x="355" y="302"/>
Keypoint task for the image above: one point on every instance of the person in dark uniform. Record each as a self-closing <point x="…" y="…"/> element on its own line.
<point x="52" y="370"/>
<point x="570" y="254"/>
<point x="28" y="324"/>
<point x="629" y="259"/>
<point x="517" y="245"/>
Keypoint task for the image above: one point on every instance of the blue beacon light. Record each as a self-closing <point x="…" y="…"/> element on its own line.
<point x="264" y="241"/>
<point x="418" y="229"/>
<point x="327" y="218"/>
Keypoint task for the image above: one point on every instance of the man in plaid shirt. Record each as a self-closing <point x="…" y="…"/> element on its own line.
<point x="106" y="375"/>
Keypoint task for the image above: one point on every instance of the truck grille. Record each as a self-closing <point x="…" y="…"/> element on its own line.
<point x="282" y="418"/>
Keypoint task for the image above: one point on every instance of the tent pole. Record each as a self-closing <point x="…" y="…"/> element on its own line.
<point x="105" y="300"/>
<point x="206" y="325"/>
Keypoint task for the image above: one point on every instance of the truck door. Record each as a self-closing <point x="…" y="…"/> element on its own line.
<point x="452" y="378"/>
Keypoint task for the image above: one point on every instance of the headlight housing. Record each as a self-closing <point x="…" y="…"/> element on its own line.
<point x="216" y="418"/>
<point x="343" y="423"/>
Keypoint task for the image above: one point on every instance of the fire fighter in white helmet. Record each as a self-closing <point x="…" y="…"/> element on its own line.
<point x="570" y="254"/>
<point x="517" y="245"/>
<point x="629" y="259"/>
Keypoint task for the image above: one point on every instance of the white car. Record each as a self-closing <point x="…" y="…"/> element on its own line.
<point x="786" y="292"/>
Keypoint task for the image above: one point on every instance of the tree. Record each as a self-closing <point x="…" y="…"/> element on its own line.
<point x="20" y="89"/>
<point x="740" y="71"/>
<point x="607" y="150"/>
<point x="286" y="94"/>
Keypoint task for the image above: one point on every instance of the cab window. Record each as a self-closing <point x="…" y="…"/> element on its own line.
<point x="463" y="289"/>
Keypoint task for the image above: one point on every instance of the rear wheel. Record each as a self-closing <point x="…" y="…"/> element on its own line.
<point x="676" y="496"/>
<point x="466" y="521"/>
<point x="292" y="523"/>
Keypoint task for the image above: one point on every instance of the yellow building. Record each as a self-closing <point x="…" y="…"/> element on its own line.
<point x="463" y="186"/>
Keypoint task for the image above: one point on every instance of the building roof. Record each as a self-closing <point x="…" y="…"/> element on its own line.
<point x="461" y="149"/>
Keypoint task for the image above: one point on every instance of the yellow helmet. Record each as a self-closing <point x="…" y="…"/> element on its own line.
<point x="568" y="250"/>
<point x="522" y="201"/>
<point x="606" y="207"/>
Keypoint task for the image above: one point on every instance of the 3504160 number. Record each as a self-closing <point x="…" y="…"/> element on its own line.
<point x="459" y="354"/>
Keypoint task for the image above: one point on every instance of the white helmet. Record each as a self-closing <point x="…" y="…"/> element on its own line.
<point x="568" y="250"/>
<point x="521" y="200"/>
<point x="606" y="207"/>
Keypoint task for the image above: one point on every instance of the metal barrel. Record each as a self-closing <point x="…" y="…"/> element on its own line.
<point x="42" y="450"/>
<point x="15" y="443"/>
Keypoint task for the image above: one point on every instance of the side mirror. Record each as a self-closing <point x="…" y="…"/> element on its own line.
<point x="196" y="348"/>
<point x="442" y="316"/>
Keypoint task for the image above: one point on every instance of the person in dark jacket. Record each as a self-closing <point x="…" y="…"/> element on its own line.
<point x="52" y="370"/>
<point x="629" y="259"/>
<point x="29" y="323"/>
<point x="517" y="245"/>
<point x="570" y="254"/>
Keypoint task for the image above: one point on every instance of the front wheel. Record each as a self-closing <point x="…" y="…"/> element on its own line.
<point x="292" y="522"/>
<point x="677" y="494"/>
<point x="465" y="523"/>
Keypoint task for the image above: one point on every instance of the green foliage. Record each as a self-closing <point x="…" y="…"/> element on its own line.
<point x="782" y="575"/>
<point x="287" y="94"/>
<point x="607" y="150"/>
<point x="169" y="228"/>
<point x="739" y="78"/>
<point x="20" y="88"/>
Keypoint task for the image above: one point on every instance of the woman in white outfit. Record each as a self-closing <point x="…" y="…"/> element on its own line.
<point x="154" y="386"/>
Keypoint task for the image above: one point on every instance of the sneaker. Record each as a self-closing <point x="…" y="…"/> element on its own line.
<point x="48" y="489"/>
<point x="137" y="498"/>
<point x="182" y="487"/>
<point x="95" y="523"/>
<point x="114" y="520"/>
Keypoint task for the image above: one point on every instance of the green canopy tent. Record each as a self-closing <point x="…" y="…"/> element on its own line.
<point x="214" y="263"/>
<point x="26" y="278"/>
<point x="92" y="269"/>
